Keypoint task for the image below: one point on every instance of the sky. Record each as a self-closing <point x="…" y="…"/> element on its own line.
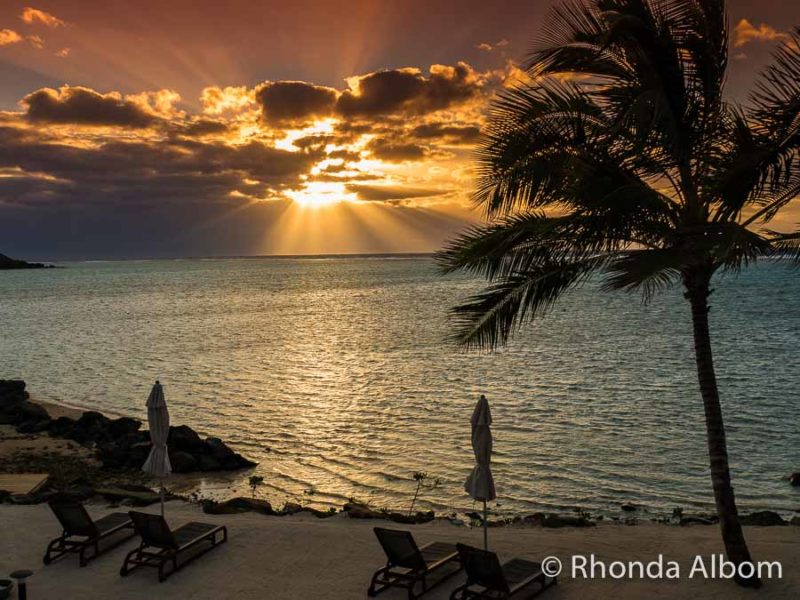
<point x="143" y="128"/>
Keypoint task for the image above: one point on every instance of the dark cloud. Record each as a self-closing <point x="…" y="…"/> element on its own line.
<point x="84" y="106"/>
<point x="201" y="127"/>
<point x="394" y="151"/>
<point x="409" y="91"/>
<point x="142" y="172"/>
<point x="294" y="100"/>
<point x="386" y="193"/>
<point x="451" y="134"/>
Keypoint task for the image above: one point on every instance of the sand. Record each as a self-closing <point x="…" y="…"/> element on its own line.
<point x="303" y="557"/>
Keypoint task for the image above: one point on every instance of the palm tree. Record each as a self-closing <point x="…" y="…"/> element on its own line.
<point x="619" y="156"/>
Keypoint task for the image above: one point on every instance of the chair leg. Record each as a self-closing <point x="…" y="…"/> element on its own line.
<point x="373" y="589"/>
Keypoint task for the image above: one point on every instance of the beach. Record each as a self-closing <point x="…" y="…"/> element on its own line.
<point x="304" y="557"/>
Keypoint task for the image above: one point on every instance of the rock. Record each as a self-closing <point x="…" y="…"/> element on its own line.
<point x="92" y="426"/>
<point x="763" y="518"/>
<point x="628" y="507"/>
<point x="291" y="508"/>
<point x="795" y="520"/>
<point x="794" y="479"/>
<point x="207" y="463"/>
<point x="137" y="495"/>
<point x="415" y="519"/>
<point x="185" y="438"/>
<point x="534" y="519"/>
<point x="355" y="510"/>
<point x="695" y="521"/>
<point x="219" y="449"/>
<point x="61" y="427"/>
<point x="559" y="521"/>
<point x="237" y="505"/>
<point x="12" y="391"/>
<point x="33" y="426"/>
<point x="124" y="426"/>
<point x="7" y="262"/>
<point x="182" y="462"/>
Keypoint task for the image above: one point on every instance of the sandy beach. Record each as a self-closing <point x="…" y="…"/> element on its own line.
<point x="304" y="557"/>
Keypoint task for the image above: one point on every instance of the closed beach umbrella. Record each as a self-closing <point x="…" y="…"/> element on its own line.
<point x="480" y="483"/>
<point x="157" y="463"/>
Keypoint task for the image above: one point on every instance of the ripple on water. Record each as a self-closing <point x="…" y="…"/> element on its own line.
<point x="336" y="376"/>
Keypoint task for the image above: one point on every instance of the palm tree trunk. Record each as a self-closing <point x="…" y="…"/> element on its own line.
<point x="697" y="293"/>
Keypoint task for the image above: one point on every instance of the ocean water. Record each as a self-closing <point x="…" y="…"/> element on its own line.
<point x="337" y="376"/>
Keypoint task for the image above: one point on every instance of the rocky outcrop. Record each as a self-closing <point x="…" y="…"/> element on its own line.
<point x="7" y="262"/>
<point x="120" y="443"/>
<point x="357" y="510"/>
<point x="794" y="479"/>
<point x="554" y="521"/>
<point x="764" y="518"/>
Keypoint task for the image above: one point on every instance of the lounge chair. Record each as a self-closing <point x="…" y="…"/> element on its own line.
<point x="161" y="547"/>
<point x="487" y="578"/>
<point x="81" y="534"/>
<point x="407" y="565"/>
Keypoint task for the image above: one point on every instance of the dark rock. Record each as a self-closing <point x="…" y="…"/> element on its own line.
<point x="795" y="521"/>
<point x="9" y="263"/>
<point x="12" y="391"/>
<point x="219" y="449"/>
<point x="92" y="426"/>
<point x="794" y="479"/>
<point x="33" y="426"/>
<point x="182" y="462"/>
<point x="763" y="518"/>
<point x="185" y="438"/>
<point x="355" y="510"/>
<point x="237" y="505"/>
<point x="291" y="508"/>
<point x="137" y="495"/>
<point x="207" y="463"/>
<point x="415" y="519"/>
<point x="559" y="521"/>
<point x="696" y="521"/>
<point x="61" y="427"/>
<point x="628" y="507"/>
<point x="124" y="426"/>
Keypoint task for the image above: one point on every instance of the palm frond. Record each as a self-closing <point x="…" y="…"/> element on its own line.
<point x="488" y="319"/>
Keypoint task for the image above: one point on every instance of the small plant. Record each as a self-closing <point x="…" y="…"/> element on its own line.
<point x="420" y="478"/>
<point x="255" y="482"/>
<point x="677" y="514"/>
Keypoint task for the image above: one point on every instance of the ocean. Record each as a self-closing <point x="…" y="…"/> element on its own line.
<point x="337" y="375"/>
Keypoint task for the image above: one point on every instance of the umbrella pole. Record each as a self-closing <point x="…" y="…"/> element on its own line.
<point x="162" y="498"/>
<point x="485" y="527"/>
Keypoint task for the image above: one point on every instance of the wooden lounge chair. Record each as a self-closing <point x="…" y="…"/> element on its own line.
<point x="83" y="535"/>
<point x="407" y="565"/>
<point x="487" y="578"/>
<point x="161" y="547"/>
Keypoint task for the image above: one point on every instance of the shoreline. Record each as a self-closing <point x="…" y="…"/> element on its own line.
<point x="300" y="556"/>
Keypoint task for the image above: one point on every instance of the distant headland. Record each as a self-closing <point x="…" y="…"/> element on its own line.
<point x="7" y="262"/>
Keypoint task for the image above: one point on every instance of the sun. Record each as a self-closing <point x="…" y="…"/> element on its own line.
<point x="315" y="194"/>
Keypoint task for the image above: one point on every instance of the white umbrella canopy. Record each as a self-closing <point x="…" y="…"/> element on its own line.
<point x="157" y="463"/>
<point x="480" y="482"/>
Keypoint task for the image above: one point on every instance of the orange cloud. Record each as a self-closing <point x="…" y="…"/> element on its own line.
<point x="216" y="100"/>
<point x="9" y="36"/>
<point x="36" y="41"/>
<point x="745" y="32"/>
<point x="63" y="53"/>
<point x="34" y="16"/>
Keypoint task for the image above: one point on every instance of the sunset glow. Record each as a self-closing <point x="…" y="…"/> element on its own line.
<point x="199" y="128"/>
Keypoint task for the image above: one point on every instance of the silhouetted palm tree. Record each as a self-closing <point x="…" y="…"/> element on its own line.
<point x="619" y="155"/>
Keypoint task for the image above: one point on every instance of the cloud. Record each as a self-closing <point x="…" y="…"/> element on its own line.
<point x="216" y="100"/>
<point x="389" y="193"/>
<point x="487" y="47"/>
<point x="84" y="106"/>
<point x="295" y="100"/>
<point x="33" y="16"/>
<point x="408" y="91"/>
<point x="451" y="134"/>
<point x="745" y="32"/>
<point x="394" y="151"/>
<point x="36" y="41"/>
<point x="9" y="36"/>
<point x="63" y="53"/>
